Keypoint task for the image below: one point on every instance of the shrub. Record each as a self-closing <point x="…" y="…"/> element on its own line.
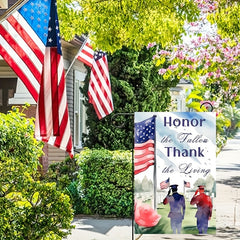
<point x="105" y="178"/>
<point x="65" y="175"/>
<point x="30" y="209"/>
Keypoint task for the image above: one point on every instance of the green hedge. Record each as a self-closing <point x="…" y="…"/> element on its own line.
<point x="105" y="178"/>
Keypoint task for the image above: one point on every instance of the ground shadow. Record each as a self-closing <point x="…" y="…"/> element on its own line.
<point x="228" y="233"/>
<point x="100" y="225"/>
<point x="233" y="181"/>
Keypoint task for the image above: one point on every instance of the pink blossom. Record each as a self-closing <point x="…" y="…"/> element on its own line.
<point x="162" y="71"/>
<point x="210" y="74"/>
<point x="150" y="45"/>
<point x="164" y="52"/>
<point x="203" y="80"/>
<point x="172" y="67"/>
<point x="145" y="216"/>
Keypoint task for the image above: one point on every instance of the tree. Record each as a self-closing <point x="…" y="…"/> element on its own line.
<point x="113" y="24"/>
<point x="136" y="87"/>
<point x="226" y="16"/>
<point x="30" y="209"/>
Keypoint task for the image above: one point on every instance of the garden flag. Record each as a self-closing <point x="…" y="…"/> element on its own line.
<point x="144" y="143"/>
<point x="99" y="90"/>
<point x="181" y="146"/>
<point x="86" y="54"/>
<point x="30" y="44"/>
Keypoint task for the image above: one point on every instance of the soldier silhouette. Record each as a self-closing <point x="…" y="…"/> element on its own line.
<point x="204" y="209"/>
<point x="177" y="208"/>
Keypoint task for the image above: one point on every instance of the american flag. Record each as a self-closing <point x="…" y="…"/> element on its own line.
<point x="30" y="44"/>
<point x="165" y="184"/>
<point x="99" y="90"/>
<point x="186" y="184"/>
<point x="144" y="142"/>
<point x="86" y="54"/>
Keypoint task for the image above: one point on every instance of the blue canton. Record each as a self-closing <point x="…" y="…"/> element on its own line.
<point x="53" y="39"/>
<point x="98" y="55"/>
<point x="36" y="13"/>
<point x="145" y="130"/>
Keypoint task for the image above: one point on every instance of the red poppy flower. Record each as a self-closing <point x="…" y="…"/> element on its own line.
<point x="145" y="216"/>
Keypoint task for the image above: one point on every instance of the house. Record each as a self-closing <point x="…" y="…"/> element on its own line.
<point x="14" y="93"/>
<point x="179" y="94"/>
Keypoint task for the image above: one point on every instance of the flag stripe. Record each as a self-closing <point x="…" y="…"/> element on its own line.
<point x="99" y="91"/>
<point x="86" y="55"/>
<point x="101" y="87"/>
<point x="143" y="167"/>
<point x="143" y="160"/>
<point x="149" y="145"/>
<point x="55" y="57"/>
<point x="16" y="43"/>
<point x="19" y="67"/>
<point x="139" y="157"/>
<point x="98" y="97"/>
<point x="24" y="33"/>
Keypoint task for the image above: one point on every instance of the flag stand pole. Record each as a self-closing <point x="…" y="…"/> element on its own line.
<point x="155" y="171"/>
<point x="120" y="126"/>
<point x="69" y="68"/>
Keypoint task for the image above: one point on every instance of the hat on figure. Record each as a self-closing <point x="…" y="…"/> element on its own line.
<point x="174" y="186"/>
<point x="201" y="187"/>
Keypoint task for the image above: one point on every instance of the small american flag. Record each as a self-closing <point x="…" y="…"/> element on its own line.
<point x="30" y="44"/>
<point x="186" y="184"/>
<point x="99" y="90"/>
<point x="86" y="54"/>
<point x="165" y="184"/>
<point x="144" y="138"/>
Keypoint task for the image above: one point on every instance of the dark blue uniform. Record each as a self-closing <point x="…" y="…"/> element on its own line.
<point x="177" y="210"/>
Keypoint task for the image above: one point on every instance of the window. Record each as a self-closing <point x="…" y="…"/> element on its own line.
<point x="7" y="90"/>
<point x="79" y="110"/>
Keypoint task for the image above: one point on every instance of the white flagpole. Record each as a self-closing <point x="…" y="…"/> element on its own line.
<point x="69" y="68"/>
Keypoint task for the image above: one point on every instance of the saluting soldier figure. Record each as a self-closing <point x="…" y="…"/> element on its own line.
<point x="204" y="209"/>
<point x="177" y="208"/>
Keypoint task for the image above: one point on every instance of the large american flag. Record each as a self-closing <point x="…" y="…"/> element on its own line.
<point x="144" y="142"/>
<point x="30" y="44"/>
<point x="99" y="90"/>
<point x="86" y="54"/>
